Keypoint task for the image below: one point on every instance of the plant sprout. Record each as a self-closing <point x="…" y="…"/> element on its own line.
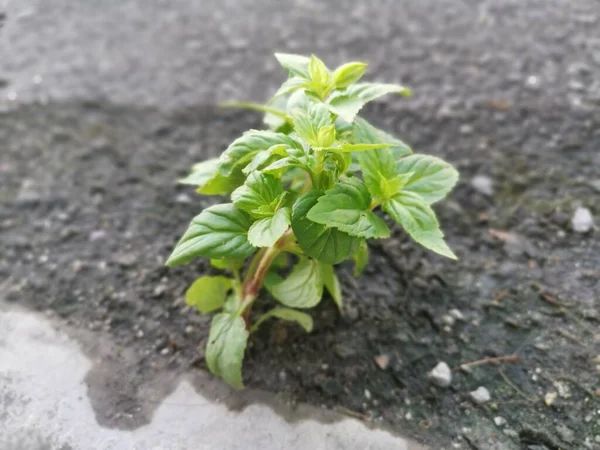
<point x="308" y="191"/>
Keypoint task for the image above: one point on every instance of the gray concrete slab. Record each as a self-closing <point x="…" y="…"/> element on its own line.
<point x="44" y="405"/>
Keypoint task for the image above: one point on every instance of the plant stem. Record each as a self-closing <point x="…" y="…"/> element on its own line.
<point x="259" y="266"/>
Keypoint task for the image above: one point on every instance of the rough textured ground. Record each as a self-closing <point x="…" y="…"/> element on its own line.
<point x="507" y="90"/>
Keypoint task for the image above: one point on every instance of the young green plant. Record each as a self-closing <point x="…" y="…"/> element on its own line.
<point x="307" y="189"/>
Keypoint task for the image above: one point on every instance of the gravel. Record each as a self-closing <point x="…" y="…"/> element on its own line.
<point x="582" y="220"/>
<point x="441" y="375"/>
<point x="480" y="395"/>
<point x="483" y="185"/>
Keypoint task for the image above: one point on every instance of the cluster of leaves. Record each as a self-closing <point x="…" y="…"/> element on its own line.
<point x="305" y="190"/>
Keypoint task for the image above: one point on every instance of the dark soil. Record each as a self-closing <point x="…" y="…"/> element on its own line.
<point x="89" y="210"/>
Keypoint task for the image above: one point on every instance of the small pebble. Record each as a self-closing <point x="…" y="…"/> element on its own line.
<point x="441" y="375"/>
<point x="582" y="220"/>
<point x="480" y="395"/>
<point x="499" y="421"/>
<point x="165" y="351"/>
<point x="96" y="235"/>
<point x="183" y="199"/>
<point x="483" y="185"/>
<point x="549" y="398"/>
<point x="382" y="361"/>
<point x="140" y="334"/>
<point x="367" y="394"/>
<point x="448" y="319"/>
<point x="457" y="314"/>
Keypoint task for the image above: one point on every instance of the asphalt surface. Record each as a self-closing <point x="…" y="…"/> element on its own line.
<point x="176" y="54"/>
<point x="173" y="53"/>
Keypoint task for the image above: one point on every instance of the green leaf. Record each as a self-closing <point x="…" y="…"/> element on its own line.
<point x="418" y="220"/>
<point x="227" y="263"/>
<point x="307" y="124"/>
<point x="259" y="159"/>
<point x="217" y="232"/>
<point x="281" y="165"/>
<point x="361" y="258"/>
<point x="232" y="304"/>
<point x="295" y="64"/>
<point x="321" y="79"/>
<point x="207" y="293"/>
<point x="348" y="74"/>
<point x="326" y="136"/>
<point x="378" y="166"/>
<point x="209" y="180"/>
<point x="390" y="187"/>
<point x="432" y="178"/>
<point x="243" y="149"/>
<point x="318" y="241"/>
<point x="365" y="133"/>
<point x="263" y="157"/>
<point x="345" y="147"/>
<point x="225" y="348"/>
<point x="259" y="190"/>
<point x="332" y="284"/>
<point x="289" y="315"/>
<point x="266" y="232"/>
<point x="303" y="287"/>
<point x="346" y="207"/>
<point x="348" y="102"/>
<point x="291" y="85"/>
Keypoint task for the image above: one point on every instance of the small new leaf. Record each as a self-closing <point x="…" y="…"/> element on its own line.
<point x="217" y="232"/>
<point x="243" y="149"/>
<point x="289" y="315"/>
<point x="319" y="73"/>
<point x="208" y="294"/>
<point x="308" y="123"/>
<point x="326" y="136"/>
<point x="348" y="74"/>
<point x="346" y="207"/>
<point x="303" y="287"/>
<point x="225" y="349"/>
<point x="295" y="64"/>
<point x="259" y="191"/>
<point x="291" y="85"/>
<point x="419" y="221"/>
<point x="348" y="102"/>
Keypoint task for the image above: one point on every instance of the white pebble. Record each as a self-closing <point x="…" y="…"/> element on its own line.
<point x="499" y="421"/>
<point x="480" y="395"/>
<point x="457" y="314"/>
<point x="582" y="220"/>
<point x="441" y="375"/>
<point x="483" y="184"/>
